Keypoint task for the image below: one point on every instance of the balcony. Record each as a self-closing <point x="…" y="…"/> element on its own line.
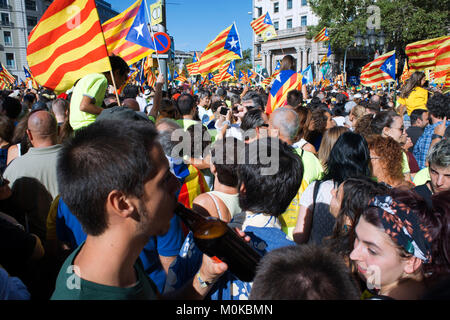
<point x="7" y="24"/>
<point x="287" y="33"/>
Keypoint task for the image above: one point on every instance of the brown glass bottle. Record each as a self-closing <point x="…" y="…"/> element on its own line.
<point x="217" y="240"/>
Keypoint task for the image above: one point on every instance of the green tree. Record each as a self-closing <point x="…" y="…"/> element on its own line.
<point x="402" y="21"/>
<point x="246" y="62"/>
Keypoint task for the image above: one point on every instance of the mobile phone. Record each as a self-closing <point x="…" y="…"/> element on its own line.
<point x="224" y="111"/>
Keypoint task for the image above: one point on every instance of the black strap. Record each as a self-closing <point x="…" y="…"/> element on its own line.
<point x="315" y="192"/>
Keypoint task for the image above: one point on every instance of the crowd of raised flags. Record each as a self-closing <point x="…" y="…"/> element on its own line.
<point x="59" y="54"/>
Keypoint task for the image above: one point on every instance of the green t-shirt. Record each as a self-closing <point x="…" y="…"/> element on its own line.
<point x="71" y="287"/>
<point x="94" y="86"/>
<point x="422" y="176"/>
<point x="311" y="166"/>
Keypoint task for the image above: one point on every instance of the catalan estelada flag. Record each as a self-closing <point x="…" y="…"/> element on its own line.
<point x="286" y="81"/>
<point x="263" y="26"/>
<point x="225" y="47"/>
<point x="67" y="44"/>
<point x="424" y="54"/>
<point x="192" y="183"/>
<point x="116" y="31"/>
<point x="179" y="76"/>
<point x="29" y="78"/>
<point x="151" y="78"/>
<point x="4" y="73"/>
<point x="226" y="71"/>
<point x="243" y="78"/>
<point x="322" y="35"/>
<point x="251" y="74"/>
<point x="373" y="74"/>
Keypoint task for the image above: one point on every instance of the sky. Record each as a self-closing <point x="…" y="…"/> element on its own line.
<point x="195" y="23"/>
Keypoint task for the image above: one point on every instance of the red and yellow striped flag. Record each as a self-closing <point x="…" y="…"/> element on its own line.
<point x="263" y="26"/>
<point x="322" y="35"/>
<point x="371" y="74"/>
<point x="406" y="73"/>
<point x="224" y="75"/>
<point x="225" y="47"/>
<point x="4" y="73"/>
<point x="151" y="79"/>
<point x="442" y="68"/>
<point x="67" y="44"/>
<point x="116" y="30"/>
<point x="422" y="54"/>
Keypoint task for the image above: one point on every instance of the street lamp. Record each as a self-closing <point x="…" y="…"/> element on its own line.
<point x="370" y="39"/>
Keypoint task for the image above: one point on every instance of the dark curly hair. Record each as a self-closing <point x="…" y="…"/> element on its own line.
<point x="438" y="105"/>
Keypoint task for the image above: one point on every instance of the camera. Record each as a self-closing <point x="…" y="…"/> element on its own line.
<point x="223" y="111"/>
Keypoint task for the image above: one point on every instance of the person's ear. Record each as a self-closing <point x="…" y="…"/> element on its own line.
<point x="385" y="132"/>
<point x="242" y="189"/>
<point x="120" y="204"/>
<point x="30" y="135"/>
<point x="412" y="265"/>
<point x="213" y="169"/>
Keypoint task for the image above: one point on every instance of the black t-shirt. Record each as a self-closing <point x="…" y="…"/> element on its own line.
<point x="425" y="193"/>
<point x="414" y="133"/>
<point x="16" y="247"/>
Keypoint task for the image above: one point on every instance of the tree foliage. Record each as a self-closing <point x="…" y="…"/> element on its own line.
<point x="402" y="21"/>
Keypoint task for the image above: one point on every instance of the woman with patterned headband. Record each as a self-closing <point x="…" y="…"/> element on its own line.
<point x="392" y="244"/>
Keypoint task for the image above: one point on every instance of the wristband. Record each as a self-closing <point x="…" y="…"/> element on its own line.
<point x="203" y="284"/>
<point x="436" y="136"/>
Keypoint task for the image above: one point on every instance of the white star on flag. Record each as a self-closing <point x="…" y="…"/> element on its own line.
<point x="139" y="30"/>
<point x="233" y="42"/>
<point x="389" y="66"/>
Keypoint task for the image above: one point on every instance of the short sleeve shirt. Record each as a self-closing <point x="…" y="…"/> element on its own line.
<point x="417" y="99"/>
<point x="94" y="86"/>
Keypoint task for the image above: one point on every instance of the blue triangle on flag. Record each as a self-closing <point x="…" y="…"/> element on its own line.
<point x="233" y="43"/>
<point x="139" y="32"/>
<point x="267" y="19"/>
<point x="389" y="66"/>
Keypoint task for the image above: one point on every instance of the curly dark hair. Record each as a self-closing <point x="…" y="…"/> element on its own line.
<point x="438" y="104"/>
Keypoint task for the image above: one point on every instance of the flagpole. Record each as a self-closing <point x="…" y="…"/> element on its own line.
<point x="153" y="38"/>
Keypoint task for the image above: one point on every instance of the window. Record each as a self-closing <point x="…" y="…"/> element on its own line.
<point x="7" y="38"/>
<point x="289" y="4"/>
<point x="3" y="4"/>
<point x="31" y="21"/>
<point x="304" y="21"/>
<point x="276" y="25"/>
<point x="10" y="63"/>
<point x="259" y="11"/>
<point x="304" y="2"/>
<point x="5" y="19"/>
<point x="30" y="5"/>
<point x="289" y="24"/>
<point x="276" y="7"/>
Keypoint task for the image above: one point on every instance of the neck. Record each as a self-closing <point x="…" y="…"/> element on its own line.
<point x="43" y="143"/>
<point x="404" y="289"/>
<point x="223" y="188"/>
<point x="188" y="117"/>
<point x="109" y="259"/>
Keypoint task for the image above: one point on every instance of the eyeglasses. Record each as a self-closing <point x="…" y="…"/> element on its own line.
<point x="402" y="128"/>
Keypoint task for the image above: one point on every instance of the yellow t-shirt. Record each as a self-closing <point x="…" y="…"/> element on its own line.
<point x="312" y="171"/>
<point x="422" y="176"/>
<point x="417" y="99"/>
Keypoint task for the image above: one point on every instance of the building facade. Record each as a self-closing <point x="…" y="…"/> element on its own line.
<point x="17" y="19"/>
<point x="291" y="19"/>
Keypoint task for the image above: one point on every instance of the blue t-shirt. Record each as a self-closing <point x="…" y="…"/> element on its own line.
<point x="69" y="230"/>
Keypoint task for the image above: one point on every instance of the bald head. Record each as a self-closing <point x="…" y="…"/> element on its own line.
<point x="287" y="122"/>
<point x="132" y="104"/>
<point x="43" y="126"/>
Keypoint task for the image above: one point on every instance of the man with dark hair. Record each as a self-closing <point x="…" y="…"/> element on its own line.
<point x="269" y="175"/>
<point x="294" y="99"/>
<point x="419" y="120"/>
<point x="89" y="92"/>
<point x="439" y="112"/>
<point x="118" y="212"/>
<point x="252" y="99"/>
<point x="188" y="110"/>
<point x="303" y="273"/>
<point x="12" y="108"/>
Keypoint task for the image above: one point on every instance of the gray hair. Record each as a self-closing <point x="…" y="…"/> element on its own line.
<point x="165" y="136"/>
<point x="287" y="121"/>
<point x="439" y="154"/>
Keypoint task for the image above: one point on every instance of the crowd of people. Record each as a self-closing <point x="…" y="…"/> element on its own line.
<point x="344" y="191"/>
